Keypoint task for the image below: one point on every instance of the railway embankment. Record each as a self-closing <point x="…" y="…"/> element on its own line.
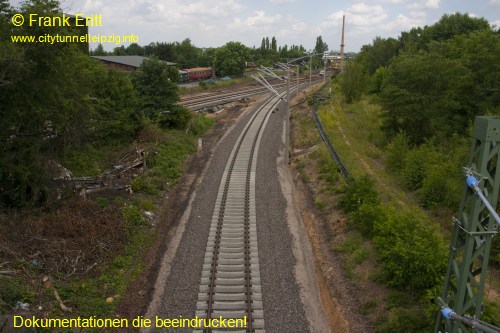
<point x="380" y="253"/>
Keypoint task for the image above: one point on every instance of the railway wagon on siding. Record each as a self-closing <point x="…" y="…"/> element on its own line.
<point x="183" y="76"/>
<point x="199" y="73"/>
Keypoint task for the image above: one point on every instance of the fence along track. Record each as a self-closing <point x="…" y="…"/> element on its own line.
<point x="329" y="145"/>
<point x="230" y="283"/>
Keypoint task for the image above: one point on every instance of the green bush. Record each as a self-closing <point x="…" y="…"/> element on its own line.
<point x="414" y="170"/>
<point x="321" y="204"/>
<point x="199" y="124"/>
<point x="144" y="184"/>
<point x="12" y="291"/>
<point x="396" y="153"/>
<point x="102" y="202"/>
<point x="350" y="244"/>
<point x="368" y="307"/>
<point x="358" y="192"/>
<point x="411" y="251"/>
<point x="367" y="216"/>
<point x="176" y="117"/>
<point x="405" y="320"/>
<point x="436" y="189"/>
<point x="133" y="216"/>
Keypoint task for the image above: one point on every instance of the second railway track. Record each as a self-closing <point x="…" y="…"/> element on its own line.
<point x="213" y="99"/>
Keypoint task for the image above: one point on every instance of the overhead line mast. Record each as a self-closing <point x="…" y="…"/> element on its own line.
<point x="342" y="46"/>
<point x="465" y="282"/>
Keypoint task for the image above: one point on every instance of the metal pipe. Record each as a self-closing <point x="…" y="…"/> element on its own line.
<point x="473" y="183"/>
<point x="474" y="323"/>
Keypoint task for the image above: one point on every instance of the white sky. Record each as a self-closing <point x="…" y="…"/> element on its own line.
<point x="212" y="23"/>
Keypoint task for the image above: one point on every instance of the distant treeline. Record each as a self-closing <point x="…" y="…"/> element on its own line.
<point x="187" y="55"/>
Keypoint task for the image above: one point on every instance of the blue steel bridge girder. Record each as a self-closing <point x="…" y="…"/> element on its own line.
<point x="473" y="231"/>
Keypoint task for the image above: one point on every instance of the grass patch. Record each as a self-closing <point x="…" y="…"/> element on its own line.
<point x="355" y="252"/>
<point x="89" y="160"/>
<point x="165" y="163"/>
<point x="368" y="307"/>
<point x="184" y="90"/>
<point x="300" y="165"/>
<point x="321" y="204"/>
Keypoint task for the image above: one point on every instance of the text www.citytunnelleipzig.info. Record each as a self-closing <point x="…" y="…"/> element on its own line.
<point x="86" y="38"/>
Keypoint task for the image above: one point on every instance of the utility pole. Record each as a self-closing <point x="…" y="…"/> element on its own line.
<point x="297" y="93"/>
<point x="287" y="120"/>
<point x="287" y="112"/>
<point x="310" y="71"/>
<point x="324" y="70"/>
<point x="342" y="46"/>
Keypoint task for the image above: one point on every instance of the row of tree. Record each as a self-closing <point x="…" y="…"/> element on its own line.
<point x="55" y="99"/>
<point x="431" y="83"/>
<point x="433" y="80"/>
<point x="229" y="59"/>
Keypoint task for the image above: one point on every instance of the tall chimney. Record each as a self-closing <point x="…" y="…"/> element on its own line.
<point x="342" y="47"/>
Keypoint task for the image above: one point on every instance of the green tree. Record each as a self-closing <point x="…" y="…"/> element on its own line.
<point x="379" y="53"/>
<point x="44" y="94"/>
<point x="274" y="45"/>
<point x="230" y="59"/>
<point x="135" y="49"/>
<point x="207" y="57"/>
<point x="164" y="51"/>
<point x="99" y="51"/>
<point x="449" y="26"/>
<point x="353" y="81"/>
<point x="187" y="55"/>
<point x="422" y="95"/>
<point x="115" y="117"/>
<point x="120" y="51"/>
<point x="263" y="46"/>
<point x="320" y="45"/>
<point x="156" y="93"/>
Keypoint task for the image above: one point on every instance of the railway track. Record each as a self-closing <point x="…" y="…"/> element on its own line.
<point x="230" y="284"/>
<point x="227" y="96"/>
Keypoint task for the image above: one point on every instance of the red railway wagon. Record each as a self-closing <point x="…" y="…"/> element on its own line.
<point x="199" y="73"/>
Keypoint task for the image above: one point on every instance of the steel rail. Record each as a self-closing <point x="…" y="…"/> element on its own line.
<point x="200" y="102"/>
<point x="230" y="285"/>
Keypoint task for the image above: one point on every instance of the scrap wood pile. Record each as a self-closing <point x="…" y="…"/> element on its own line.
<point x="117" y="178"/>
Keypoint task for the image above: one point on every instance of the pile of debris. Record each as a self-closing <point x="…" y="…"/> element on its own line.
<point x="118" y="178"/>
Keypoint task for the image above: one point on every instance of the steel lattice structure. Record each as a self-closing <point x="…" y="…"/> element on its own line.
<point x="473" y="231"/>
